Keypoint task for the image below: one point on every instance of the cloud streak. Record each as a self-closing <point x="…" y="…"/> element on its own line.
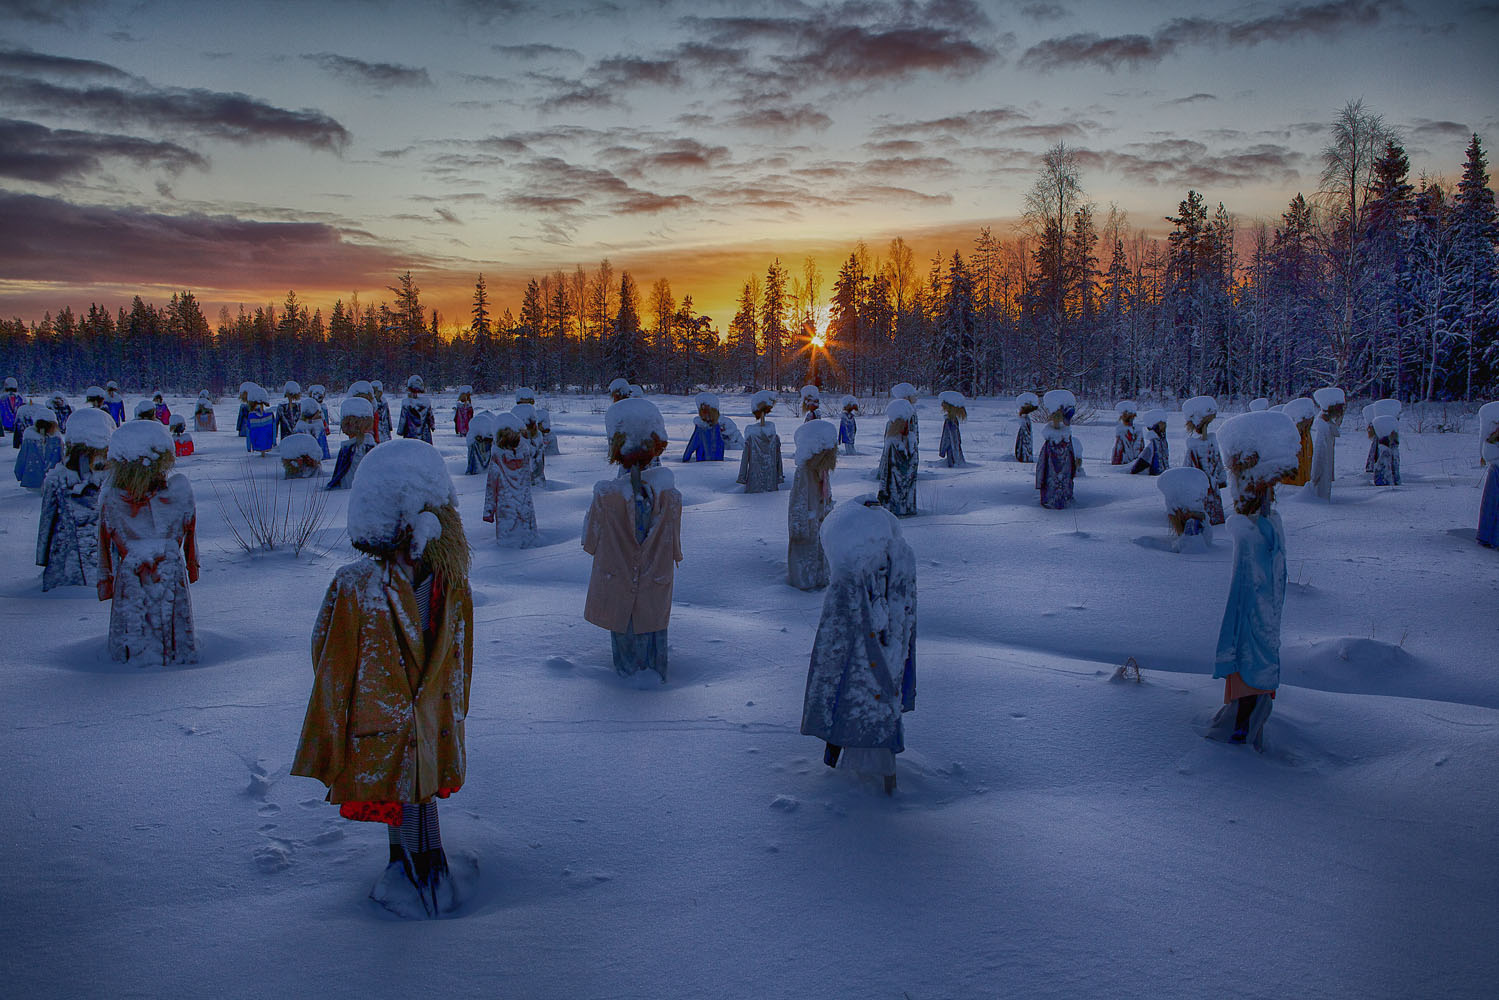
<point x="382" y="75"/>
<point x="33" y="152"/>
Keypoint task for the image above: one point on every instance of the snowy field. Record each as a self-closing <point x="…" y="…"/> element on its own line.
<point x="1055" y="834"/>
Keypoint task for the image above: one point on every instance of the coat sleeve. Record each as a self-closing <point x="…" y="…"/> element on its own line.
<point x="323" y="750"/>
<point x="591" y="526"/>
<point x="48" y="522"/>
<point x="106" y="546"/>
<point x="1042" y="461"/>
<point x="491" y="490"/>
<point x="676" y="527"/>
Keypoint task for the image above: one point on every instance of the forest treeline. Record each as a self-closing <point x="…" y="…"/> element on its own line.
<point x="1379" y="282"/>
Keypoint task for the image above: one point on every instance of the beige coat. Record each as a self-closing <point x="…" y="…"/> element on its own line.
<point x="631" y="583"/>
<point x="385" y="719"/>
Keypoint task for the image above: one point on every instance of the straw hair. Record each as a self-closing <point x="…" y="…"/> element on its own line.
<point x="708" y="413"/>
<point x="822" y="461"/>
<point x="641" y="456"/>
<point x="507" y="437"/>
<point x="955" y="412"/>
<point x="896" y="426"/>
<point x="356" y="426"/>
<point x="138" y="480"/>
<point x="447" y="554"/>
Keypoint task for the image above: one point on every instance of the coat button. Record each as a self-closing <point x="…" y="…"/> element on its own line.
<point x="444" y="732"/>
<point x="411" y="742"/>
<point x="447" y="696"/>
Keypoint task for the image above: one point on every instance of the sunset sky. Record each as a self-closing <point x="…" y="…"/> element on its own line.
<point x="242" y="149"/>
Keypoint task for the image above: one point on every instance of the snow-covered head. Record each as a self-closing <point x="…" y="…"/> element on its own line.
<point x="544" y="419"/>
<point x="1259" y="405"/>
<point x="403" y="502"/>
<point x="1387" y="408"/>
<point x="1154" y="419"/>
<point x="637" y="433"/>
<point x="526" y="414"/>
<point x="1300" y="409"/>
<point x="816" y="438"/>
<point x="310" y="409"/>
<point x="1027" y="402"/>
<point x="619" y="389"/>
<point x="244" y="390"/>
<point x="707" y="407"/>
<point x="465" y="393"/>
<point x="1060" y="405"/>
<point x="1127" y="409"/>
<point x="898" y="415"/>
<point x="317" y="392"/>
<point x="41" y="417"/>
<point x="203" y="394"/>
<point x="858" y="539"/>
<point x="256" y="396"/>
<point x="1331" y="401"/>
<point x="850" y="404"/>
<point x="811" y="398"/>
<point x="178" y="425"/>
<point x="762" y="403"/>
<point x="356" y="416"/>
<point x="415" y="386"/>
<point x="89" y="431"/>
<point x="904" y="390"/>
<point x="1488" y="420"/>
<point x="300" y="454"/>
<point x="93" y="394"/>
<point x="377" y="387"/>
<point x="362" y="388"/>
<point x="1199" y="411"/>
<point x="953" y="404"/>
<point x="145" y="410"/>
<point x="1185" y="490"/>
<point x="141" y="453"/>
<point x="525" y="394"/>
<point x="1259" y="450"/>
<point x="1386" y="428"/>
<point x="481" y="428"/>
<point x="292" y="390"/>
<point x="112" y="386"/>
<point x="506" y="429"/>
<point x="636" y="392"/>
<point x="11" y="385"/>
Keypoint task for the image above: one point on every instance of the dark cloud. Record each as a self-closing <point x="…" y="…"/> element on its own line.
<point x="559" y="187"/>
<point x="45" y="11"/>
<point x="48" y="239"/>
<point x="1043" y="12"/>
<point x="376" y="74"/>
<point x="536" y="50"/>
<point x="207" y="113"/>
<point x="485" y="11"/>
<point x="780" y="118"/>
<point x="45" y="64"/>
<point x="1178" y="163"/>
<point x="448" y="216"/>
<point x="1190" y="99"/>
<point x="922" y="166"/>
<point x="967" y="123"/>
<point x="895" y="147"/>
<point x="33" y="152"/>
<point x="1290" y="22"/>
<point x="1425" y="130"/>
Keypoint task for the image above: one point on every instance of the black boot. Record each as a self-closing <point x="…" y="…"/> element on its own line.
<point x="830" y="755"/>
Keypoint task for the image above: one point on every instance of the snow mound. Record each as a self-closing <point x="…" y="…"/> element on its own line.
<point x="815" y="436"/>
<point x="902" y="390"/>
<point x="355" y="406"/>
<point x="1126" y="406"/>
<point x="140" y="441"/>
<point x="482" y="426"/>
<point x="1358" y="665"/>
<point x="951" y="397"/>
<point x="295" y="446"/>
<point x="1198" y="408"/>
<point x="1271" y="436"/>
<point x="394" y="483"/>
<point x="854" y="534"/>
<point x="637" y="419"/>
<point x="1329" y="396"/>
<point x="1059" y="399"/>
<point x="1184" y="488"/>
<point x="1300" y="409"/>
<point x="90" y="428"/>
<point x="1385" y="425"/>
<point x="1259" y="405"/>
<point x="899" y="409"/>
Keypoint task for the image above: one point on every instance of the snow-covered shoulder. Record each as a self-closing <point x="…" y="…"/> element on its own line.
<point x="659" y="478"/>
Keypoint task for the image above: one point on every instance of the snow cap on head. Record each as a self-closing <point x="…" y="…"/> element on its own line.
<point x="376" y="384"/>
<point x="1152" y="417"/>
<point x="815" y="436"/>
<point x="1385" y="425"/>
<point x="619" y="385"/>
<point x="899" y="409"/>
<point x="361" y="388"/>
<point x="1488" y="419"/>
<point x="1027" y="399"/>
<point x="636" y="392"/>
<point x="1278" y="408"/>
<point x="706" y="399"/>
<point x="854" y="536"/>
<point x="90" y="428"/>
<point x="525" y="394"/>
<point x="1058" y="399"/>
<point x="1259" y="405"/>
<point x="145" y="408"/>
<point x="415" y="384"/>
<point x="811" y="392"/>
<point x="317" y="392"/>
<point x="504" y="422"/>
<point x="1126" y="406"/>
<point x="292" y="389"/>
<point x="1329" y="396"/>
<point x="482" y="426"/>
<point x="394" y="483"/>
<point x="140" y="441"/>
<point x="951" y="397"/>
<point x="356" y="406"/>
<point x="11" y="383"/>
<point x="902" y="390"/>
<point x="1199" y="408"/>
<point x="637" y="419"/>
<point x="203" y="394"/>
<point x="178" y="425"/>
<point x="310" y="408"/>
<point x="39" y="413"/>
<point x="111" y="384"/>
<point x="1387" y="407"/>
<point x="1300" y="409"/>
<point x="524" y="412"/>
<point x="764" y="397"/>
<point x="1368" y="413"/>
<point x="849" y="401"/>
<point x="465" y="390"/>
<point x="246" y="386"/>
<point x="57" y="397"/>
<point x="1271" y="436"/>
<point x="156" y="396"/>
<point x="255" y="394"/>
<point x="1185" y="488"/>
<point x="543" y="418"/>
<point x="93" y="392"/>
<point x="301" y="445"/>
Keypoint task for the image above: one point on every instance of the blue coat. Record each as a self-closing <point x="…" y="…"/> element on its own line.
<point x="848" y="429"/>
<point x="36" y="457"/>
<point x="1249" y="640"/>
<point x="115" y="408"/>
<point x="9" y="404"/>
<point x="706" y="443"/>
<point x="260" y="431"/>
<point x="1488" y="509"/>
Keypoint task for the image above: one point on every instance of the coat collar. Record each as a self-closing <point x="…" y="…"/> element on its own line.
<point x="417" y="653"/>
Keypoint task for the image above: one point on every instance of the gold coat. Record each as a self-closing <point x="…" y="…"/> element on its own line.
<point x="385" y="719"/>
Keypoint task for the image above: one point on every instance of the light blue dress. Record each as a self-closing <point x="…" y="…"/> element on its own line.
<point x="1488" y="509"/>
<point x="1249" y="640"/>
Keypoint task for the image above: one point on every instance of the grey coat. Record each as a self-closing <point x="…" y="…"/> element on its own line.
<point x="67" y="536"/>
<point x="810" y="502"/>
<point x="760" y="469"/>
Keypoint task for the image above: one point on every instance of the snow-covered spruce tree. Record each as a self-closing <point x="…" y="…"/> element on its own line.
<point x="626" y="349"/>
<point x="1475" y="239"/>
<point x="953" y="356"/>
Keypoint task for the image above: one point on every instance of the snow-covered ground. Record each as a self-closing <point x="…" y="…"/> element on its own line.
<point x="1055" y="834"/>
